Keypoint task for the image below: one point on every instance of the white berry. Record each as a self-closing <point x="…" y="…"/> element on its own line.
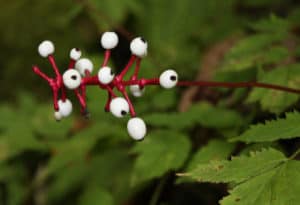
<point x="71" y="79"/>
<point x="84" y="65"/>
<point x="109" y="40"/>
<point x="136" y="90"/>
<point x="119" y="107"/>
<point x="65" y="107"/>
<point x="168" y="79"/>
<point x="138" y="47"/>
<point x="105" y="75"/>
<point x="136" y="128"/>
<point x="58" y="116"/>
<point x="75" y="54"/>
<point x="46" y="48"/>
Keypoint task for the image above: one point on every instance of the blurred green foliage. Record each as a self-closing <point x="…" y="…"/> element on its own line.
<point x="88" y="162"/>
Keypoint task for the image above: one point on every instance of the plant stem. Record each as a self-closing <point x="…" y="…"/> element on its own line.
<point x="158" y="190"/>
<point x="295" y="154"/>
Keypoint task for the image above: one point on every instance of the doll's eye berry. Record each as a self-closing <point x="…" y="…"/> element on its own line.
<point x="138" y="47"/>
<point x="168" y="79"/>
<point x="173" y="78"/>
<point x="78" y="76"/>
<point x="142" y="39"/>
<point x="71" y="79"/>
<point x="84" y="65"/>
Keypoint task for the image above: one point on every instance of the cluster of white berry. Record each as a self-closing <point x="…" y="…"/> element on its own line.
<point x="75" y="76"/>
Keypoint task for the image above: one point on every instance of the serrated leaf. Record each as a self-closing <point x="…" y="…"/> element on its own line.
<point x="263" y="178"/>
<point x="258" y="49"/>
<point x="272" y="130"/>
<point x="237" y="169"/>
<point x="272" y="100"/>
<point x="278" y="186"/>
<point x="272" y="24"/>
<point x="215" y="150"/>
<point x="160" y="152"/>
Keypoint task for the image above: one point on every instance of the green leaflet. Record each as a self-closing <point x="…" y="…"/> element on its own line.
<point x="278" y="186"/>
<point x="255" y="50"/>
<point x="96" y="195"/>
<point x="109" y="13"/>
<point x="286" y="128"/>
<point x="261" y="178"/>
<point x="160" y="152"/>
<point x="272" y="24"/>
<point x="243" y="167"/>
<point x="202" y="113"/>
<point x="215" y="150"/>
<point x="104" y="171"/>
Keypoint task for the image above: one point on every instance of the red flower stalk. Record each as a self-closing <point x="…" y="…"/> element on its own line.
<point x="78" y="76"/>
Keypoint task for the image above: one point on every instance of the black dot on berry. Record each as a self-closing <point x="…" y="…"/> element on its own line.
<point x="111" y="72"/>
<point x="123" y="112"/>
<point x="173" y="78"/>
<point x="77" y="49"/>
<point x="142" y="39"/>
<point x="74" y="77"/>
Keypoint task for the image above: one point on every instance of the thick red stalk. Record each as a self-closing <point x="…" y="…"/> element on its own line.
<point x="57" y="85"/>
<point x="106" y="58"/>
<point x="129" y="64"/>
<point x="238" y="85"/>
<point x="54" y="66"/>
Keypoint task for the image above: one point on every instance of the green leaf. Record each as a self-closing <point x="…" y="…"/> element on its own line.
<point x="112" y="12"/>
<point x="278" y="186"/>
<point x="95" y="195"/>
<point x="255" y="50"/>
<point x="285" y="128"/>
<point x="272" y="24"/>
<point x="79" y="146"/>
<point x="160" y="152"/>
<point x="272" y="100"/>
<point x="263" y="178"/>
<point x="96" y="171"/>
<point x="215" y="150"/>
<point x="202" y="113"/>
<point x="68" y="180"/>
<point x="237" y="169"/>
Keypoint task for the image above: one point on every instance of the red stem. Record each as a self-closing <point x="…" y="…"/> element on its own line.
<point x="71" y="64"/>
<point x="107" y="105"/>
<point x="131" y="108"/>
<point x="55" y="100"/>
<point x="54" y="66"/>
<point x="129" y="64"/>
<point x="41" y="74"/>
<point x="137" y="69"/>
<point x="106" y="57"/>
<point x="63" y="93"/>
<point x="238" y="85"/>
